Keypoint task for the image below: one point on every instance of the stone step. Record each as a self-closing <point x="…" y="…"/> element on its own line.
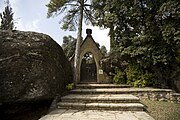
<point x="101" y="98"/>
<point x="92" y="86"/>
<point x="102" y="106"/>
<point x="176" y="97"/>
<point x="118" y="90"/>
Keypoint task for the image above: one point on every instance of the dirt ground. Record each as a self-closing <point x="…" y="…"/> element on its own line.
<point x="24" y="111"/>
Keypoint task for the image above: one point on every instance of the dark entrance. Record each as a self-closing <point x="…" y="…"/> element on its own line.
<point x="88" y="68"/>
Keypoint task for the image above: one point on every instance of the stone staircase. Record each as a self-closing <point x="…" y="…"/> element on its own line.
<point x="100" y="97"/>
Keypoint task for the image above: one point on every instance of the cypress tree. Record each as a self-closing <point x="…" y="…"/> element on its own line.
<point x="7" y="18"/>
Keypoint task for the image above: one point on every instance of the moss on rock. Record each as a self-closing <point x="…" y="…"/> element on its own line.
<point x="32" y="67"/>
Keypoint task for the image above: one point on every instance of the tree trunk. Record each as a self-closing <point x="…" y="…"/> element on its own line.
<point x="78" y="43"/>
<point x="112" y="41"/>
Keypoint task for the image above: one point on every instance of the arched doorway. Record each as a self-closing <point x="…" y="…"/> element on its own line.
<point x="88" y="68"/>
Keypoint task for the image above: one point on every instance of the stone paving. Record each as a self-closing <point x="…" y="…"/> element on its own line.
<point x="69" y="114"/>
<point x="99" y="102"/>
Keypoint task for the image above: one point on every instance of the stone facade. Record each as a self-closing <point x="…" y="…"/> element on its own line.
<point x="89" y="45"/>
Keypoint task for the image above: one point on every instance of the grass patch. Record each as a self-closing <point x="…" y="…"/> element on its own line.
<point x="162" y="110"/>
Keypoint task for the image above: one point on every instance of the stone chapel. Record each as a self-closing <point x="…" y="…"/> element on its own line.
<point x="90" y="67"/>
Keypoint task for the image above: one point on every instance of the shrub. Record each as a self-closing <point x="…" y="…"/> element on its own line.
<point x="119" y="78"/>
<point x="70" y="86"/>
<point x="137" y="77"/>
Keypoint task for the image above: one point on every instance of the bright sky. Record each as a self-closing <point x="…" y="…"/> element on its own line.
<point x="30" y="15"/>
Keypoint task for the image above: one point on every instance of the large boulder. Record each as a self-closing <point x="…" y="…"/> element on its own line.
<point x="32" y="67"/>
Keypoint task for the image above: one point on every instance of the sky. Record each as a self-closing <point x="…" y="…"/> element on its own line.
<point x="31" y="15"/>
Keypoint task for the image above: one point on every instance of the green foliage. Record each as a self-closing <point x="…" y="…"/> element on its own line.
<point x="70" y="86"/>
<point x="69" y="45"/>
<point x="119" y="78"/>
<point x="7" y="18"/>
<point x="71" y="8"/>
<point x="137" y="77"/>
<point x="145" y="33"/>
<point x="103" y="50"/>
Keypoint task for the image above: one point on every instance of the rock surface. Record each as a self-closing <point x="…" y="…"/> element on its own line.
<point x="32" y="67"/>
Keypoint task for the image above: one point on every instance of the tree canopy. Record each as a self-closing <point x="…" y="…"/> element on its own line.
<point x="69" y="45"/>
<point x="145" y="33"/>
<point x="6" y="16"/>
<point x="71" y="8"/>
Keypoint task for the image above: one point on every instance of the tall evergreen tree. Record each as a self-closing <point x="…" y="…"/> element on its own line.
<point x="7" y="18"/>
<point x="75" y="11"/>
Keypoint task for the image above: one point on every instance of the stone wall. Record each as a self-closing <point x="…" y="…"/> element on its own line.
<point x="158" y="95"/>
<point x="32" y="67"/>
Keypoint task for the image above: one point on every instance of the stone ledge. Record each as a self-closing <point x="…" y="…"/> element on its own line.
<point x="91" y="86"/>
<point x="176" y="97"/>
<point x="120" y="90"/>
<point x="99" y="98"/>
<point x="103" y="106"/>
<point x="143" y="93"/>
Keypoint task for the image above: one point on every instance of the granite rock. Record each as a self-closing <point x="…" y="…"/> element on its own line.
<point x="32" y="67"/>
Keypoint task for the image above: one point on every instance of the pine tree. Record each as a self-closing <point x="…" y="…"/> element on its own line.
<point x="75" y="11"/>
<point x="7" y="18"/>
